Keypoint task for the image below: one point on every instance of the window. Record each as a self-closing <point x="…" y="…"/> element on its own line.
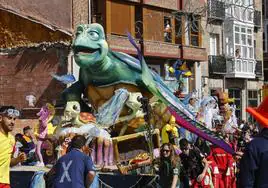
<point x="124" y="13"/>
<point x="193" y="31"/>
<point x="178" y="29"/>
<point x="228" y="9"/>
<point x="252" y="101"/>
<point x="237" y="12"/>
<point x="97" y="12"/>
<point x="167" y="29"/>
<point x="243" y="42"/>
<point x="236" y="94"/>
<point x="242" y="12"/>
<point x="249" y="15"/>
<point x="213" y="44"/>
<point x="252" y="98"/>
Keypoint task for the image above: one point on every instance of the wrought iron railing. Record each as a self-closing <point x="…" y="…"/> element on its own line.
<point x="217" y="64"/>
<point x="216" y="10"/>
<point x="258" y="69"/>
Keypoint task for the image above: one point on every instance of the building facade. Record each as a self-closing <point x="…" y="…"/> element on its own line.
<point x="265" y="38"/>
<point x="219" y="41"/>
<point x="235" y="61"/>
<point x="161" y="30"/>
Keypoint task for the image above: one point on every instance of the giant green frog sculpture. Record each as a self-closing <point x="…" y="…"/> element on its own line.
<point x="103" y="71"/>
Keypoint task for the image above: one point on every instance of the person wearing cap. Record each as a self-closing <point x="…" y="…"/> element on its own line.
<point x="8" y="115"/>
<point x="254" y="163"/>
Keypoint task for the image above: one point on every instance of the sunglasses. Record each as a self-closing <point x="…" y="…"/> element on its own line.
<point x="11" y="112"/>
<point x="165" y="150"/>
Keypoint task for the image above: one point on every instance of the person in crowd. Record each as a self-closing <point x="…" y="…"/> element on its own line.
<point x="242" y="124"/>
<point x="245" y="127"/>
<point x="8" y="116"/>
<point x="29" y="146"/>
<point x="202" y="145"/>
<point x="75" y="169"/>
<point x="225" y="163"/>
<point x="28" y="137"/>
<point x="192" y="105"/>
<point x="255" y="131"/>
<point x="169" y="132"/>
<point x="194" y="166"/>
<point x="169" y="168"/>
<point x="19" y="143"/>
<point x="167" y="31"/>
<point x="253" y="165"/>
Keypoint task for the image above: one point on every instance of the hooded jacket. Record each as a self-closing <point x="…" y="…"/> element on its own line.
<point x="254" y="163"/>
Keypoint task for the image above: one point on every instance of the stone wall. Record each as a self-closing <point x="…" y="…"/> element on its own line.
<point x="80" y="12"/>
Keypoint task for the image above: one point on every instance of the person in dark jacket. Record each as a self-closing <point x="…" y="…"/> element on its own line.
<point x="254" y="163"/>
<point x="169" y="168"/>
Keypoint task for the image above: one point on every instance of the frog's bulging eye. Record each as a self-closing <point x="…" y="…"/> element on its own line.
<point x="94" y="35"/>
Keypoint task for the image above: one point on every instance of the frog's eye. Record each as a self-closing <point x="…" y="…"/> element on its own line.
<point x="94" y="35"/>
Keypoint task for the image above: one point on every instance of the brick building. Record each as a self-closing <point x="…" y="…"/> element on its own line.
<point x="35" y="41"/>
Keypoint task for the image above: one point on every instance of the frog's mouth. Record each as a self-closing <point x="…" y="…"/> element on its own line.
<point x="81" y="50"/>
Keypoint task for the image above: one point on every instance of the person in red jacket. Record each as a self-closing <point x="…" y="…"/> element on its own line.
<point x="225" y="164"/>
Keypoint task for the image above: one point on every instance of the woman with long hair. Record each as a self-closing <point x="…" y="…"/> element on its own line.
<point x="169" y="168"/>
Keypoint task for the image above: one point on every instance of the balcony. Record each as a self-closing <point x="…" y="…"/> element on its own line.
<point x="240" y="68"/>
<point x="194" y="53"/>
<point x="161" y="49"/>
<point x="257" y="18"/>
<point x="258" y="69"/>
<point x="216" y="10"/>
<point x="217" y="64"/>
<point x="169" y="4"/>
<point x="121" y="44"/>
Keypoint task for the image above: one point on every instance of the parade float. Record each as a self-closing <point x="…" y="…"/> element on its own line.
<point x="126" y="96"/>
<point x="132" y="108"/>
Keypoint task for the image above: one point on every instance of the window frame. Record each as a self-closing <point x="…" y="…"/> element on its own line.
<point x="215" y="37"/>
<point x="191" y="33"/>
<point x="252" y="98"/>
<point x="231" y="94"/>
<point x="244" y="44"/>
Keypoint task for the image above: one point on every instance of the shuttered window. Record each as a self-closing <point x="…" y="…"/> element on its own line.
<point x="121" y="18"/>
